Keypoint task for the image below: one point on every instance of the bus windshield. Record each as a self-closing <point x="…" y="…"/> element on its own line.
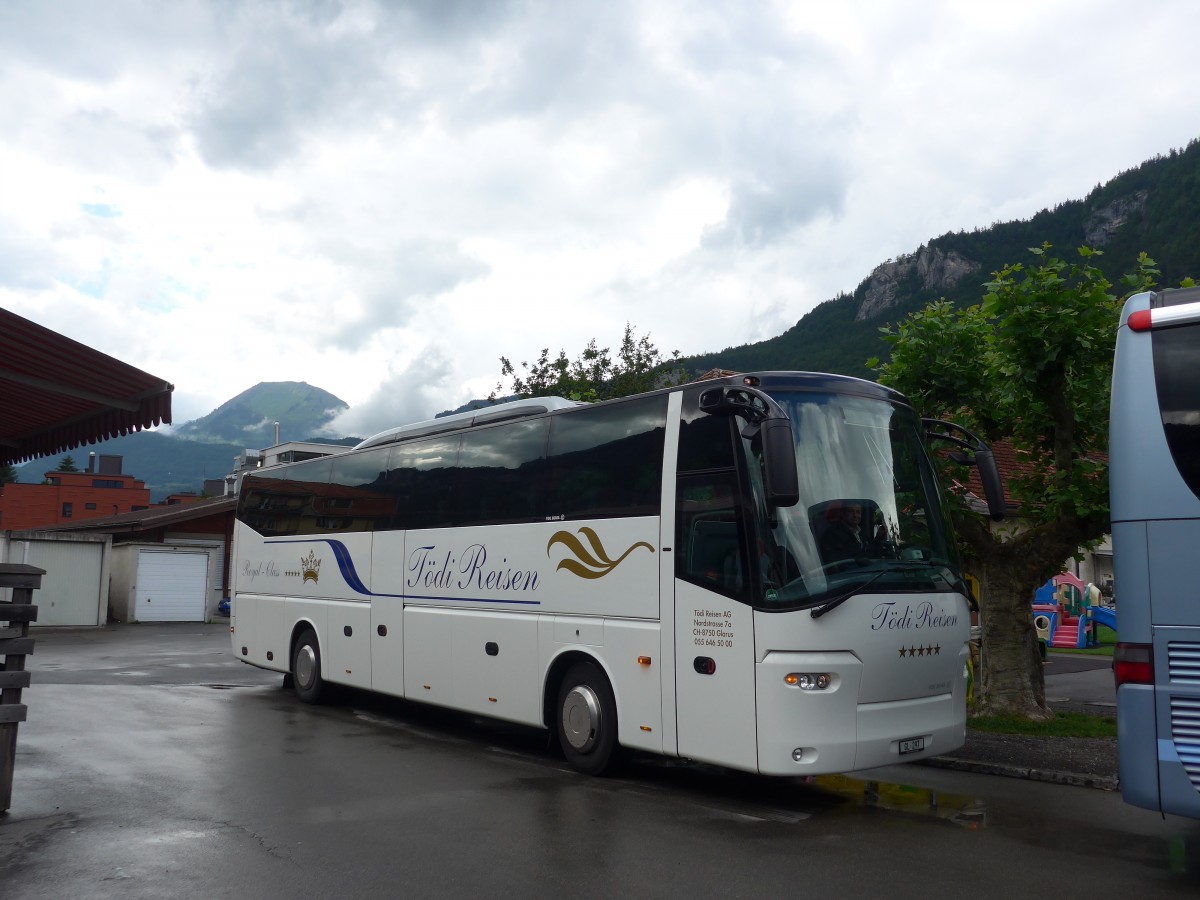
<point x="870" y="515"/>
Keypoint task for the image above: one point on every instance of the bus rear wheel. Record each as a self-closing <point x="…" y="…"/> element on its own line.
<point x="306" y="668"/>
<point x="587" y="719"/>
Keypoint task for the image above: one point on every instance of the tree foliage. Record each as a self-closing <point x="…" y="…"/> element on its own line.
<point x="594" y="374"/>
<point x="1030" y="365"/>
<point x="8" y="473"/>
<point x="67" y="464"/>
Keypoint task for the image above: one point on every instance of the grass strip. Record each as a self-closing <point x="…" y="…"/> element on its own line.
<point x="1064" y="724"/>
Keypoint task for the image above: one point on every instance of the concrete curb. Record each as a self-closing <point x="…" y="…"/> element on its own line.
<point x="1074" y="779"/>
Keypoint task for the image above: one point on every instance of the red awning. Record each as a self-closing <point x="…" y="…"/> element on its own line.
<point x="56" y="394"/>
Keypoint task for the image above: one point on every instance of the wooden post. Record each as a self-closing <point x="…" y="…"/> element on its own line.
<point x="15" y="645"/>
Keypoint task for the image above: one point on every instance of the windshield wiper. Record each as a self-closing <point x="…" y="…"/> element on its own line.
<point x="817" y="611"/>
<point x="893" y="565"/>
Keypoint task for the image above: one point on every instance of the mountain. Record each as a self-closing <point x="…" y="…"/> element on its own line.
<point x="249" y="419"/>
<point x="206" y="448"/>
<point x="168" y="465"/>
<point x="1154" y="207"/>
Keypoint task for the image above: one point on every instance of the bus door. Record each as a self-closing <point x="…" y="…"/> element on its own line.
<point x="714" y="627"/>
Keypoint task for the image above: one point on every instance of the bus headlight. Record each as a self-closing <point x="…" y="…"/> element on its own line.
<point x="809" y="681"/>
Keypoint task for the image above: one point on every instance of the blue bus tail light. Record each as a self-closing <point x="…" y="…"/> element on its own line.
<point x="1133" y="664"/>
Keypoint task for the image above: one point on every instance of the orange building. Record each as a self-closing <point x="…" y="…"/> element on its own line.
<point x="66" y="497"/>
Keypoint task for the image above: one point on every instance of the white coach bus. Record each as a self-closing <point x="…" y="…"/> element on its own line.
<point x="756" y="571"/>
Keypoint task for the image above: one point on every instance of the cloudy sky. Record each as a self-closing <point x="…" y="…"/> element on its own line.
<point x="382" y="198"/>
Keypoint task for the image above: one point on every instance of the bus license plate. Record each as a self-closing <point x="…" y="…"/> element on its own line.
<point x="912" y="745"/>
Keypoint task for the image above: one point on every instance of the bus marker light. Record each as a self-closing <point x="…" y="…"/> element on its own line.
<point x="643" y="660"/>
<point x="1140" y="320"/>
<point x="645" y="728"/>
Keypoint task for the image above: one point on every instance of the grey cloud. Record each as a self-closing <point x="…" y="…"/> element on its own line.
<point x="405" y="396"/>
<point x="391" y="289"/>
<point x="82" y="39"/>
<point x="280" y="88"/>
<point x="762" y="211"/>
<point x="299" y="69"/>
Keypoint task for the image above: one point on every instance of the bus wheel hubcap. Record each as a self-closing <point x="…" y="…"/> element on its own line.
<point x="306" y="665"/>
<point x="581" y="717"/>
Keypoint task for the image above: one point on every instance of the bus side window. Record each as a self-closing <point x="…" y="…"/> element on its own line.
<point x="710" y="549"/>
<point x="422" y="481"/>
<point x="500" y="477"/>
<point x="1176" y="357"/>
<point x="607" y="461"/>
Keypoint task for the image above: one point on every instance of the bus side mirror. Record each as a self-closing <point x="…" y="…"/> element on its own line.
<point x="980" y="456"/>
<point x="770" y="424"/>
<point x="993" y="487"/>
<point x="779" y="463"/>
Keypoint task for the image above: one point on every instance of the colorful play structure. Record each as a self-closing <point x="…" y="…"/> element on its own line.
<point x="1066" y="612"/>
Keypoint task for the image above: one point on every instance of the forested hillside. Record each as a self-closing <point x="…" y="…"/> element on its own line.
<point x="1155" y="208"/>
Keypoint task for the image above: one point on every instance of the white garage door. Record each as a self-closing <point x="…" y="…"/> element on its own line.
<point x="171" y="586"/>
<point x="71" y="592"/>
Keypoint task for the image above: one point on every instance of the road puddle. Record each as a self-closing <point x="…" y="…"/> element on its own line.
<point x="958" y="809"/>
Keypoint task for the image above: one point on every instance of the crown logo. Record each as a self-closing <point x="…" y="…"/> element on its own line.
<point x="310" y="566"/>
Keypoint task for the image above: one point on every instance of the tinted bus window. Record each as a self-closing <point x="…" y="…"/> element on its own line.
<point x="421" y="482"/>
<point x="607" y="461"/>
<point x="1177" y="374"/>
<point x="357" y="499"/>
<point x="501" y="474"/>
<point x="284" y="499"/>
<point x="264" y="500"/>
<point x="705" y="442"/>
<point x="710" y="544"/>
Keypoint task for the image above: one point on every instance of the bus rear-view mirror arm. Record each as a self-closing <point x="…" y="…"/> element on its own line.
<point x="980" y="456"/>
<point x="766" y="419"/>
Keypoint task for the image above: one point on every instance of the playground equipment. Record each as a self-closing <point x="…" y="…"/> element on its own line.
<point x="1066" y="612"/>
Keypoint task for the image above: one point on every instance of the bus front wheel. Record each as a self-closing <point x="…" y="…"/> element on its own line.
<point x="587" y="719"/>
<point x="306" y="668"/>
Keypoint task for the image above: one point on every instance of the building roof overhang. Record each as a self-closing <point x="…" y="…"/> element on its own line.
<point x="56" y="394"/>
<point x="155" y="517"/>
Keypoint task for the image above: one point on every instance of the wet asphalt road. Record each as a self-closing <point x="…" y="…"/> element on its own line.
<point x="155" y="765"/>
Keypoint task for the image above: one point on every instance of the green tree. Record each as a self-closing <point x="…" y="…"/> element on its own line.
<point x="67" y="464"/>
<point x="1030" y="365"/>
<point x="594" y="374"/>
<point x="8" y="473"/>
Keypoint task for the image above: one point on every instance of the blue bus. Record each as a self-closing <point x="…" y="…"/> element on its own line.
<point x="1154" y="472"/>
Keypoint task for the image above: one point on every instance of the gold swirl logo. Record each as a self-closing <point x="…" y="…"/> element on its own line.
<point x="591" y="561"/>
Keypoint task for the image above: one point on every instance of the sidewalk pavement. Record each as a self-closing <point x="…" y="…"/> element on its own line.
<point x="1074" y="683"/>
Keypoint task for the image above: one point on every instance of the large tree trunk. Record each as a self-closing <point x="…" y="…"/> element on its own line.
<point x="1013" y="680"/>
<point x="1011" y="567"/>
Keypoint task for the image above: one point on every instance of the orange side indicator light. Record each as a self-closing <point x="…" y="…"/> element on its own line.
<point x="644" y="660"/>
